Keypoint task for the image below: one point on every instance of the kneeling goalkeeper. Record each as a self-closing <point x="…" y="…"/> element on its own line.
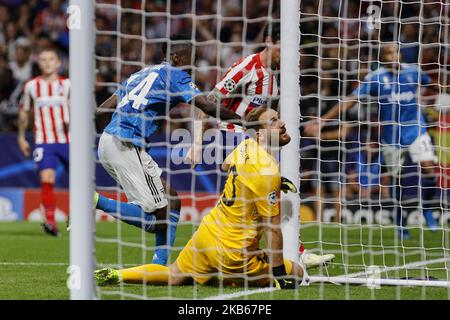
<point x="226" y="244"/>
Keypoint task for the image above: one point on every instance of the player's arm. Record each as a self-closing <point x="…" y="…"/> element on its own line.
<point x="338" y="134"/>
<point x="227" y="87"/>
<point x="23" y="121"/>
<point x="272" y="230"/>
<point x="216" y="111"/>
<point x="367" y="87"/>
<point x="206" y="108"/>
<point x="189" y="93"/>
<point x="274" y="236"/>
<point x="216" y="96"/>
<point x="266" y="190"/>
<point x="104" y="112"/>
<point x="212" y="102"/>
<point x="110" y="103"/>
<point x="22" y="128"/>
<point x="313" y="128"/>
<point x="193" y="155"/>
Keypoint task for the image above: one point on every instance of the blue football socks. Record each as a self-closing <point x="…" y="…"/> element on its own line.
<point x="127" y="212"/>
<point x="162" y="247"/>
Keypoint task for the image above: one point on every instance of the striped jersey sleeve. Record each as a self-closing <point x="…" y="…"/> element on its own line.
<point x="237" y="76"/>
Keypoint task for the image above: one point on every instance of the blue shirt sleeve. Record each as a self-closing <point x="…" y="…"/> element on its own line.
<point x="183" y="88"/>
<point x="120" y="90"/>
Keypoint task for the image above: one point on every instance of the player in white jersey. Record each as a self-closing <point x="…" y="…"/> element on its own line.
<point x="47" y="98"/>
<point x="250" y="83"/>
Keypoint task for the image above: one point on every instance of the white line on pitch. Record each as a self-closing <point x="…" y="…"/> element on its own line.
<point x="386" y="269"/>
<point x="33" y="264"/>
<point x="405" y="266"/>
<point x="99" y="265"/>
<point x="240" y="294"/>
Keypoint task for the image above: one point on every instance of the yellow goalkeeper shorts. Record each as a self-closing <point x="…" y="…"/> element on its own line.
<point x="204" y="258"/>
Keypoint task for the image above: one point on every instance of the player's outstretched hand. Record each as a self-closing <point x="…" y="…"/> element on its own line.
<point x="287" y="185"/>
<point x="24" y="147"/>
<point x="312" y="129"/>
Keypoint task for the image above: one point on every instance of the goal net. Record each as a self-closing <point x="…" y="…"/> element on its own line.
<point x="392" y="226"/>
<point x="385" y="222"/>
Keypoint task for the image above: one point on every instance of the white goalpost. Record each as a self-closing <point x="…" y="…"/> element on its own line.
<point x="290" y="114"/>
<point x="82" y="160"/>
<point x="327" y="50"/>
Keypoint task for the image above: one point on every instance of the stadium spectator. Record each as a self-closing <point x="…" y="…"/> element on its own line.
<point x="24" y="20"/>
<point x="11" y="35"/>
<point x="4" y="18"/>
<point x="7" y="86"/>
<point x="21" y="65"/>
<point x="52" y="20"/>
<point x="233" y="51"/>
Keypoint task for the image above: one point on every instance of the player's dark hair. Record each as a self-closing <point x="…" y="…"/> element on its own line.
<point x="272" y="30"/>
<point x="177" y="44"/>
<point x="51" y="49"/>
<point x="252" y="119"/>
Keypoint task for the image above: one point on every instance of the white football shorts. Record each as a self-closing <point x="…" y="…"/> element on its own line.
<point x="135" y="170"/>
<point x="420" y="150"/>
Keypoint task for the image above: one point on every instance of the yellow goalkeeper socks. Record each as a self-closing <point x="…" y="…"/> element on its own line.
<point x="149" y="273"/>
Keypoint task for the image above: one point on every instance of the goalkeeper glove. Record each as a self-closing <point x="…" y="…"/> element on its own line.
<point x="281" y="279"/>
<point x="287" y="185"/>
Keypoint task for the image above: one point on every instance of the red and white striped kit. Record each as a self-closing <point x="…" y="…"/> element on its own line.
<point x="247" y="85"/>
<point x="50" y="103"/>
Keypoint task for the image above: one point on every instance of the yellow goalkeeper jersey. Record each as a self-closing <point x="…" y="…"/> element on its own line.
<point x="251" y="192"/>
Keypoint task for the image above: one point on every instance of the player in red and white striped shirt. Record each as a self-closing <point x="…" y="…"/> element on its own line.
<point x="250" y="83"/>
<point x="47" y="98"/>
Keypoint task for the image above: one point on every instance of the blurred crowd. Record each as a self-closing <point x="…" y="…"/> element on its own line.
<point x="340" y="44"/>
<point x="129" y="36"/>
<point x="26" y="27"/>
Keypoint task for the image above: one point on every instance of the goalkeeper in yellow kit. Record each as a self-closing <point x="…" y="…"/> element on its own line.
<point x="226" y="244"/>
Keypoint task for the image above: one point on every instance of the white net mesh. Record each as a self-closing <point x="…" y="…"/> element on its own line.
<point x="349" y="169"/>
<point x="342" y="172"/>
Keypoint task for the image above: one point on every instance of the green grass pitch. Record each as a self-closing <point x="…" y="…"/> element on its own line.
<point x="33" y="265"/>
